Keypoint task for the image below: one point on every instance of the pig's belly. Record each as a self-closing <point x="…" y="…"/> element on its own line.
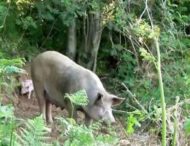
<point x="54" y="96"/>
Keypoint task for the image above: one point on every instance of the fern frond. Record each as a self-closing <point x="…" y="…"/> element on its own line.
<point x="34" y="133"/>
<point x="78" y="98"/>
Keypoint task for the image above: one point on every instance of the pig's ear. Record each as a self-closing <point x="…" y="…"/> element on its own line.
<point x="117" y="100"/>
<point x="99" y="98"/>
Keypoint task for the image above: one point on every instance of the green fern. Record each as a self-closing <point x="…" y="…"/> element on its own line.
<point x="78" y="98"/>
<point x="81" y="135"/>
<point x="34" y="133"/>
<point x="6" y="112"/>
<point x="187" y="126"/>
<point x="8" y="62"/>
<point x="7" y="125"/>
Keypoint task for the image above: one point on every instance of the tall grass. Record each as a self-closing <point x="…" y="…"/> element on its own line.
<point x="162" y="97"/>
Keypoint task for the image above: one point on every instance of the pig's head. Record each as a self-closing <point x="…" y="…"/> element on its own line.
<point x="102" y="107"/>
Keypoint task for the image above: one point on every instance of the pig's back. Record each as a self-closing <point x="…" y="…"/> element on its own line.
<point x="58" y="72"/>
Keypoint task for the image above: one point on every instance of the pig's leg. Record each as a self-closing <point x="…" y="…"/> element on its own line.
<point x="48" y="112"/>
<point x="42" y="105"/>
<point x="39" y="90"/>
<point x="88" y="120"/>
<point x="29" y="94"/>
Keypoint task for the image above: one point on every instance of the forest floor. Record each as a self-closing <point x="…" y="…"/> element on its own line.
<point x="28" y="108"/>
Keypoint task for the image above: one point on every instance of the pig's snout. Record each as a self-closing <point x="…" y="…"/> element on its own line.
<point x="108" y="117"/>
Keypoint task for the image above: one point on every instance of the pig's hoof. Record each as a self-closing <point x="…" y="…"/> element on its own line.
<point x="49" y="129"/>
<point x="50" y="121"/>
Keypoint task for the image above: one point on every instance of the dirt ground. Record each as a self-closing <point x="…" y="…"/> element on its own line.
<point x="28" y="108"/>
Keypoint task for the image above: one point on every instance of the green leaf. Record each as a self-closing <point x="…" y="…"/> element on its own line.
<point x="187" y="126"/>
<point x="13" y="69"/>
<point x="34" y="132"/>
<point x="78" y="98"/>
<point x="6" y="111"/>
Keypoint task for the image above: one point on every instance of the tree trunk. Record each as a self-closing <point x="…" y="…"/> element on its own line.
<point x="71" y="46"/>
<point x="92" y="36"/>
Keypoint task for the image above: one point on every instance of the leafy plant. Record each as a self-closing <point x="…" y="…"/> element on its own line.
<point x="78" y="98"/>
<point x="8" y="69"/>
<point x="86" y="136"/>
<point x="7" y="125"/>
<point x="147" y="56"/>
<point x="13" y="132"/>
<point x="34" y="132"/>
<point x="133" y="120"/>
<point x="187" y="126"/>
<point x="80" y="134"/>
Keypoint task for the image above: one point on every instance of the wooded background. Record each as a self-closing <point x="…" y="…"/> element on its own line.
<point x="115" y="39"/>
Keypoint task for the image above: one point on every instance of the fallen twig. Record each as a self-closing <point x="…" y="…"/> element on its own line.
<point x="134" y="97"/>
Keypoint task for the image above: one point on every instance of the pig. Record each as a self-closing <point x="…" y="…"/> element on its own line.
<point x="54" y="74"/>
<point x="27" y="87"/>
